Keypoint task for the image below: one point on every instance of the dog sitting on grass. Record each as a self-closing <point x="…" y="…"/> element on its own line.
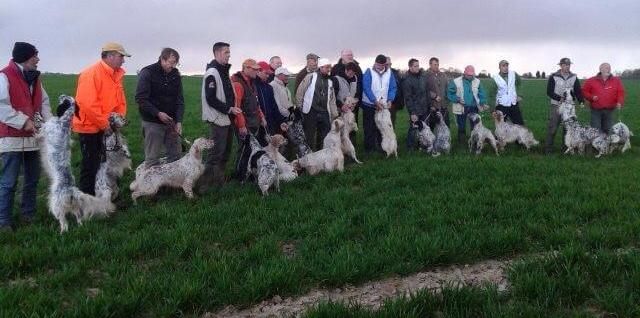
<point x="295" y="132"/>
<point x="621" y="138"/>
<point x="64" y="197"/>
<point x="181" y="173"/>
<point x="330" y="158"/>
<point x="262" y="167"/>
<point x="424" y="135"/>
<point x="287" y="172"/>
<point x="442" y="143"/>
<point x="479" y="135"/>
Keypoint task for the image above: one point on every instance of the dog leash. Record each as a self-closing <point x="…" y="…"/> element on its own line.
<point x="174" y="129"/>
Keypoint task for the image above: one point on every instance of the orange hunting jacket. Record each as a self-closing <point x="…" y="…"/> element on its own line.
<point x="100" y="92"/>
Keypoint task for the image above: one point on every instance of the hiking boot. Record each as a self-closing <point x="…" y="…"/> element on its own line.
<point x="5" y="228"/>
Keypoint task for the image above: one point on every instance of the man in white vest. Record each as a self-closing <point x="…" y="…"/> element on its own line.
<point x="218" y="103"/>
<point x="379" y="87"/>
<point x="507" y="99"/>
<point x="467" y="96"/>
<point x="317" y="98"/>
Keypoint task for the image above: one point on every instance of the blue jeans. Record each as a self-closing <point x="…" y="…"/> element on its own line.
<point x="10" y="168"/>
<point x="462" y="118"/>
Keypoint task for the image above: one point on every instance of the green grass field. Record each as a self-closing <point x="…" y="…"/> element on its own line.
<point x="172" y="257"/>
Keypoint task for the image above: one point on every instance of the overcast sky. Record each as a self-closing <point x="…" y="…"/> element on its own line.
<point x="532" y="35"/>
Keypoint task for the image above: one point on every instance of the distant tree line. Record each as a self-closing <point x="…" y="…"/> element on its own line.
<point x="630" y="74"/>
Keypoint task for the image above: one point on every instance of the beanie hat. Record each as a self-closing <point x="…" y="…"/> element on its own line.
<point x="23" y="51"/>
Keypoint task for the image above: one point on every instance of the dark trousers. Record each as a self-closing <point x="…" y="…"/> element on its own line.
<point x="316" y="126"/>
<point x="11" y="162"/>
<point x="244" y="150"/>
<point x="462" y="118"/>
<point x="512" y="113"/>
<point x="602" y="119"/>
<point x="372" y="136"/>
<point x="160" y="139"/>
<point x="216" y="158"/>
<point x="92" y="149"/>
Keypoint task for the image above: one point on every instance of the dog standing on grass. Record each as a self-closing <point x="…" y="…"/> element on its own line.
<point x="181" y="173"/>
<point x="64" y="197"/>
<point x="118" y="159"/>
<point x="508" y="133"/>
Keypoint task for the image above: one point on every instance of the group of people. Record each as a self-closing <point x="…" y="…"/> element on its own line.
<point x="256" y="99"/>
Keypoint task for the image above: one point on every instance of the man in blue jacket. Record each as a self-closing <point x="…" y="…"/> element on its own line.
<point x="379" y="89"/>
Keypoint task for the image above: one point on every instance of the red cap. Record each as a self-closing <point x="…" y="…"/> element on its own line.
<point x="265" y="67"/>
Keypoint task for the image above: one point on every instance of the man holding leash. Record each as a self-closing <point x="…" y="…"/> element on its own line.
<point x="161" y="104"/>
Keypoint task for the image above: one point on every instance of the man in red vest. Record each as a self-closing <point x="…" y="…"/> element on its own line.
<point x="21" y="96"/>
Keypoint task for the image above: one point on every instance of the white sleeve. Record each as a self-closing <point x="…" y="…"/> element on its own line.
<point x="45" y="110"/>
<point x="8" y="115"/>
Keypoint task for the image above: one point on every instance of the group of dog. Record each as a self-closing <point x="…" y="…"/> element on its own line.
<point x="267" y="166"/>
<point x="576" y="138"/>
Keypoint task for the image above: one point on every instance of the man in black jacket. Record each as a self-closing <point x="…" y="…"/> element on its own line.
<point x="414" y="88"/>
<point x="218" y="106"/>
<point x="161" y="105"/>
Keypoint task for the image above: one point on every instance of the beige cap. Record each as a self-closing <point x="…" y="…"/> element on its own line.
<point x="117" y="47"/>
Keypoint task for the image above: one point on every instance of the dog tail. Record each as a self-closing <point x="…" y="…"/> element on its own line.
<point x="92" y="206"/>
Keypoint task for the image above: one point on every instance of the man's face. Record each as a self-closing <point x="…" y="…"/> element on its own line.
<point x="312" y="64"/>
<point x="325" y="69"/>
<point x="223" y="55"/>
<point x="115" y="60"/>
<point x="468" y="77"/>
<point x="283" y="78"/>
<point x="565" y="68"/>
<point x="434" y="66"/>
<point x="347" y="56"/>
<point x="275" y="62"/>
<point x="250" y="72"/>
<point x="504" y="68"/>
<point x="605" y="69"/>
<point x="32" y="63"/>
<point x="414" y="68"/>
<point x="379" y="67"/>
<point x="263" y="75"/>
<point x="350" y="73"/>
<point x="169" y="64"/>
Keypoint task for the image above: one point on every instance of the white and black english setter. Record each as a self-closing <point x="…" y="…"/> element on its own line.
<point x="181" y="173"/>
<point x="262" y="167"/>
<point x="578" y="136"/>
<point x="424" y="135"/>
<point x="507" y="132"/>
<point x="479" y="135"/>
<point x="118" y="159"/>
<point x="442" y="143"/>
<point x="64" y="197"/>
<point x="295" y="132"/>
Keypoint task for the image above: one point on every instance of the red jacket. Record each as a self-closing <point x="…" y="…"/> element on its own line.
<point x="610" y="92"/>
<point x="21" y="99"/>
